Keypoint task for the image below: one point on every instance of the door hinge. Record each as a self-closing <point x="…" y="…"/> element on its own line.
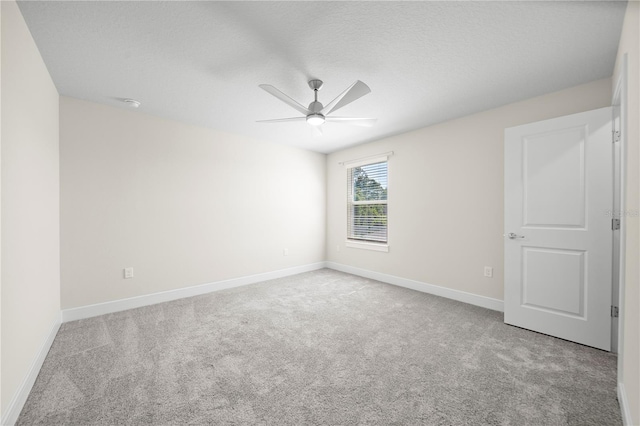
<point x="614" y="312"/>
<point x="616" y="136"/>
<point x="615" y="224"/>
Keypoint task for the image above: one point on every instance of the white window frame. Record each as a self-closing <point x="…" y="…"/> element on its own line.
<point x="359" y="244"/>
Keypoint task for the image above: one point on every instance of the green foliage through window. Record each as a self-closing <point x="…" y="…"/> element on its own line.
<point x="366" y="188"/>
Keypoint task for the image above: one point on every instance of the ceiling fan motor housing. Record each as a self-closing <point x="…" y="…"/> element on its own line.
<point x="316" y="118"/>
<point x="315" y="107"/>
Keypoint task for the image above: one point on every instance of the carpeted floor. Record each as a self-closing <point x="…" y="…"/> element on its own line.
<point x="322" y="347"/>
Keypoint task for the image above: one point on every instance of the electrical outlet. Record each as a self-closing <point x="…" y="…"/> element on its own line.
<point x="338" y="247"/>
<point x="488" y="271"/>
<point x="285" y="252"/>
<point x="128" y="273"/>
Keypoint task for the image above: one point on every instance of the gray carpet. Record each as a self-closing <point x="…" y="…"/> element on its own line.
<point x="318" y="348"/>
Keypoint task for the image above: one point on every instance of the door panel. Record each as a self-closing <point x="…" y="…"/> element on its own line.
<point x="554" y="191"/>
<point x="544" y="271"/>
<point x="558" y="191"/>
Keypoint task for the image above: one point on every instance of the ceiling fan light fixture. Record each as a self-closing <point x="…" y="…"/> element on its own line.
<point x="315" y="119"/>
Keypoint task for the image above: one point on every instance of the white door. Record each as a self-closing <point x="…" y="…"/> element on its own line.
<point x="558" y="237"/>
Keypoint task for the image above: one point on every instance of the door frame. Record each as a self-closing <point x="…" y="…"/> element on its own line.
<point x="614" y="213"/>
<point x="619" y="99"/>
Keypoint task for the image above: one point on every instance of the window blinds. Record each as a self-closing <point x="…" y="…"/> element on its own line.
<point x="367" y="202"/>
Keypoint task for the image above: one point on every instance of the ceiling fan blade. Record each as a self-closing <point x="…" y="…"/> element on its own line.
<point x="355" y="91"/>
<point x="364" y="122"/>
<point x="316" y="131"/>
<point x="282" y="120"/>
<point x="284" y="98"/>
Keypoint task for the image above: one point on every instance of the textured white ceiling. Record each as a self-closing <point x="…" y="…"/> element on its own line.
<point x="425" y="62"/>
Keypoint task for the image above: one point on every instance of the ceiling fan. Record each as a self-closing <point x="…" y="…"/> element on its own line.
<point x="316" y="114"/>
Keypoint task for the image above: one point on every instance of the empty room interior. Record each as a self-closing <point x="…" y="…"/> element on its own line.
<point x="336" y="213"/>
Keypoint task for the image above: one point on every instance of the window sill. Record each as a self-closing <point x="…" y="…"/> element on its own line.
<point x="367" y="246"/>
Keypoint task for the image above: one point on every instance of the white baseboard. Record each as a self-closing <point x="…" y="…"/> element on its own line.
<point x="180" y="293"/>
<point x="624" y="406"/>
<point x="462" y="296"/>
<point x="10" y="416"/>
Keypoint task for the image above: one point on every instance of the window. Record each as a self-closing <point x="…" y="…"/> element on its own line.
<point x="367" y="203"/>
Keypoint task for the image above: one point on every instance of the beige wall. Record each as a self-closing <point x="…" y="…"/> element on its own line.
<point x="446" y="194"/>
<point x="30" y="202"/>
<point x="185" y="205"/>
<point x="180" y="204"/>
<point x="630" y="45"/>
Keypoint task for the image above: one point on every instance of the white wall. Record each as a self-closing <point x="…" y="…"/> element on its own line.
<point x="446" y="194"/>
<point x="630" y="44"/>
<point x="183" y="205"/>
<point x="30" y="202"/>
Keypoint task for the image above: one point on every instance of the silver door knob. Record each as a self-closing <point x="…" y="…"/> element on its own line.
<point x="513" y="236"/>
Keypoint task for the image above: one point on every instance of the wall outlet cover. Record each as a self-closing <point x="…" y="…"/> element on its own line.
<point x="128" y="273"/>
<point x="488" y="271"/>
